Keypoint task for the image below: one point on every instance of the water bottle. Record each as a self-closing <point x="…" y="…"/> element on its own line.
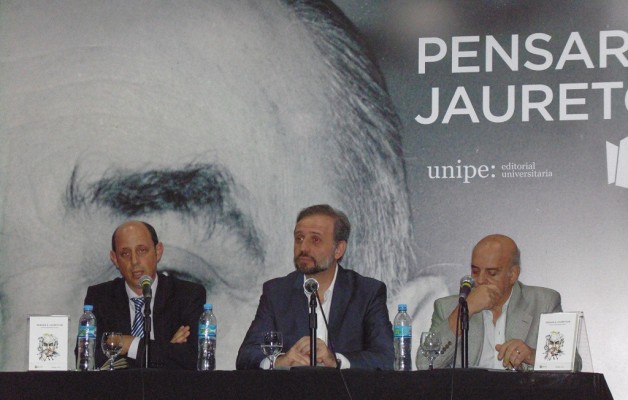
<point x="85" y="340"/>
<point x="403" y="339"/>
<point x="206" y="340"/>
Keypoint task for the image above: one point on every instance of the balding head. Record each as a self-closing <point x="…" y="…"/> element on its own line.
<point x="499" y="247"/>
<point x="137" y="224"/>
<point x="201" y="119"/>
<point x="135" y="252"/>
<point x="495" y="262"/>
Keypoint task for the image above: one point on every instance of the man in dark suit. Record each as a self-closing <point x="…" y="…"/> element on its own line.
<point x="360" y="333"/>
<point x="176" y="304"/>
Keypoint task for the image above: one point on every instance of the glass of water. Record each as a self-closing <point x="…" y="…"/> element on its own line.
<point x="430" y="346"/>
<point x="111" y="344"/>
<point x="272" y="344"/>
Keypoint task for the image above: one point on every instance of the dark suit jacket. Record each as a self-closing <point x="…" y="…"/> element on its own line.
<point x="177" y="303"/>
<point x="527" y="303"/>
<point x="359" y="326"/>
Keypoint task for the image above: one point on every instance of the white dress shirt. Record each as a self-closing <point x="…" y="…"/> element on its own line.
<point x="131" y="294"/>
<point x="321" y="328"/>
<point x="493" y="334"/>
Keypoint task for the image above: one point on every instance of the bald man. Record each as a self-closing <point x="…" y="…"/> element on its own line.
<point x="176" y="304"/>
<point x="200" y="118"/>
<point x="504" y="313"/>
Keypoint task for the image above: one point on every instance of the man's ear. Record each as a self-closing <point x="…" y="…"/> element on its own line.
<point x="514" y="274"/>
<point x="159" y="249"/>
<point x="341" y="247"/>
<point x="114" y="259"/>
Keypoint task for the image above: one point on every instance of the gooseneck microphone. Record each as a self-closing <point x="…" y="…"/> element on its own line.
<point x="311" y="288"/>
<point x="146" y="282"/>
<point x="466" y="284"/>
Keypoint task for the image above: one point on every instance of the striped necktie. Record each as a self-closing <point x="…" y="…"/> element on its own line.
<point x="138" y="321"/>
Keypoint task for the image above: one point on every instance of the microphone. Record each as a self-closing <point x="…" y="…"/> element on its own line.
<point x="466" y="284"/>
<point x="310" y="286"/>
<point x="145" y="282"/>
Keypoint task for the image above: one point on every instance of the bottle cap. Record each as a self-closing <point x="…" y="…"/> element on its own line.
<point x="88" y="307"/>
<point x="403" y="307"/>
<point x="208" y="307"/>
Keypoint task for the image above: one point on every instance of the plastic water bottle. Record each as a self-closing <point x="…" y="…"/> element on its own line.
<point x="85" y="340"/>
<point x="206" y="340"/>
<point x="403" y="339"/>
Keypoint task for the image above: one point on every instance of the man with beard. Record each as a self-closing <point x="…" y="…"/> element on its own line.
<point x="360" y="333"/>
<point x="200" y="118"/>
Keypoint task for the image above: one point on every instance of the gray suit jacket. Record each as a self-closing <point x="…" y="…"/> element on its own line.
<point x="527" y="303"/>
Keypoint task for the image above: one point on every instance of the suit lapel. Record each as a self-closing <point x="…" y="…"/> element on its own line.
<point x="518" y="322"/>
<point x="518" y="319"/>
<point x="121" y="304"/>
<point x="299" y="307"/>
<point x="339" y="302"/>
<point x="476" y="340"/>
<point x="164" y="290"/>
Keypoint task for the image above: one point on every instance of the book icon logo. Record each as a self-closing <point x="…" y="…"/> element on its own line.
<point x="617" y="163"/>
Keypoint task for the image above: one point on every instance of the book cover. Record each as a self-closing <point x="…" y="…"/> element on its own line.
<point x="48" y="342"/>
<point x="557" y="340"/>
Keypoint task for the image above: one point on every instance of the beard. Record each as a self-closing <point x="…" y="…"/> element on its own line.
<point x="318" y="266"/>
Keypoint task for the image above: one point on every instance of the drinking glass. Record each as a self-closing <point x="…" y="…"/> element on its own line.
<point x="111" y="344"/>
<point x="272" y="344"/>
<point x="430" y="346"/>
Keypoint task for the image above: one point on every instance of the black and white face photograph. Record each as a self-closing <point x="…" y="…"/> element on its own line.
<point x="432" y="125"/>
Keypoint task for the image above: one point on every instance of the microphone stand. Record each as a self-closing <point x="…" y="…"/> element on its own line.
<point x="464" y="326"/>
<point x="147" y="328"/>
<point x="330" y="344"/>
<point x="313" y="323"/>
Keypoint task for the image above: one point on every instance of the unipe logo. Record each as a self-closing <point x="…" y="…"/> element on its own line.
<point x="617" y="163"/>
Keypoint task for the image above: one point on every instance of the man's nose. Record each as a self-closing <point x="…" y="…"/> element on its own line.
<point x="304" y="248"/>
<point x="134" y="258"/>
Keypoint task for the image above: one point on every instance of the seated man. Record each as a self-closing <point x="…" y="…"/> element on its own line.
<point x="176" y="304"/>
<point x="503" y="312"/>
<point x="360" y="333"/>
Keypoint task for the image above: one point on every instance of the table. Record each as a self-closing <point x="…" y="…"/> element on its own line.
<point x="303" y="384"/>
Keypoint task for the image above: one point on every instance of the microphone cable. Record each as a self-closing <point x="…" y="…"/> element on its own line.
<point x="331" y="347"/>
<point x="453" y="367"/>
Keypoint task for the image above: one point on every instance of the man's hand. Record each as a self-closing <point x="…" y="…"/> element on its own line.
<point x="299" y="354"/>
<point x="515" y="352"/>
<point x="126" y="344"/>
<point x="324" y="355"/>
<point x="483" y="297"/>
<point x="181" y="335"/>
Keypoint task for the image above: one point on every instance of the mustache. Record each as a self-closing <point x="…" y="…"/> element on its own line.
<point x="304" y="254"/>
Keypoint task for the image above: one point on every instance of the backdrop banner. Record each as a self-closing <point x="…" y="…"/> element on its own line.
<point x="431" y="123"/>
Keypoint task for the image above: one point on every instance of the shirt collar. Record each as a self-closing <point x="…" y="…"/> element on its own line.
<point x="504" y="308"/>
<point x="329" y="290"/>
